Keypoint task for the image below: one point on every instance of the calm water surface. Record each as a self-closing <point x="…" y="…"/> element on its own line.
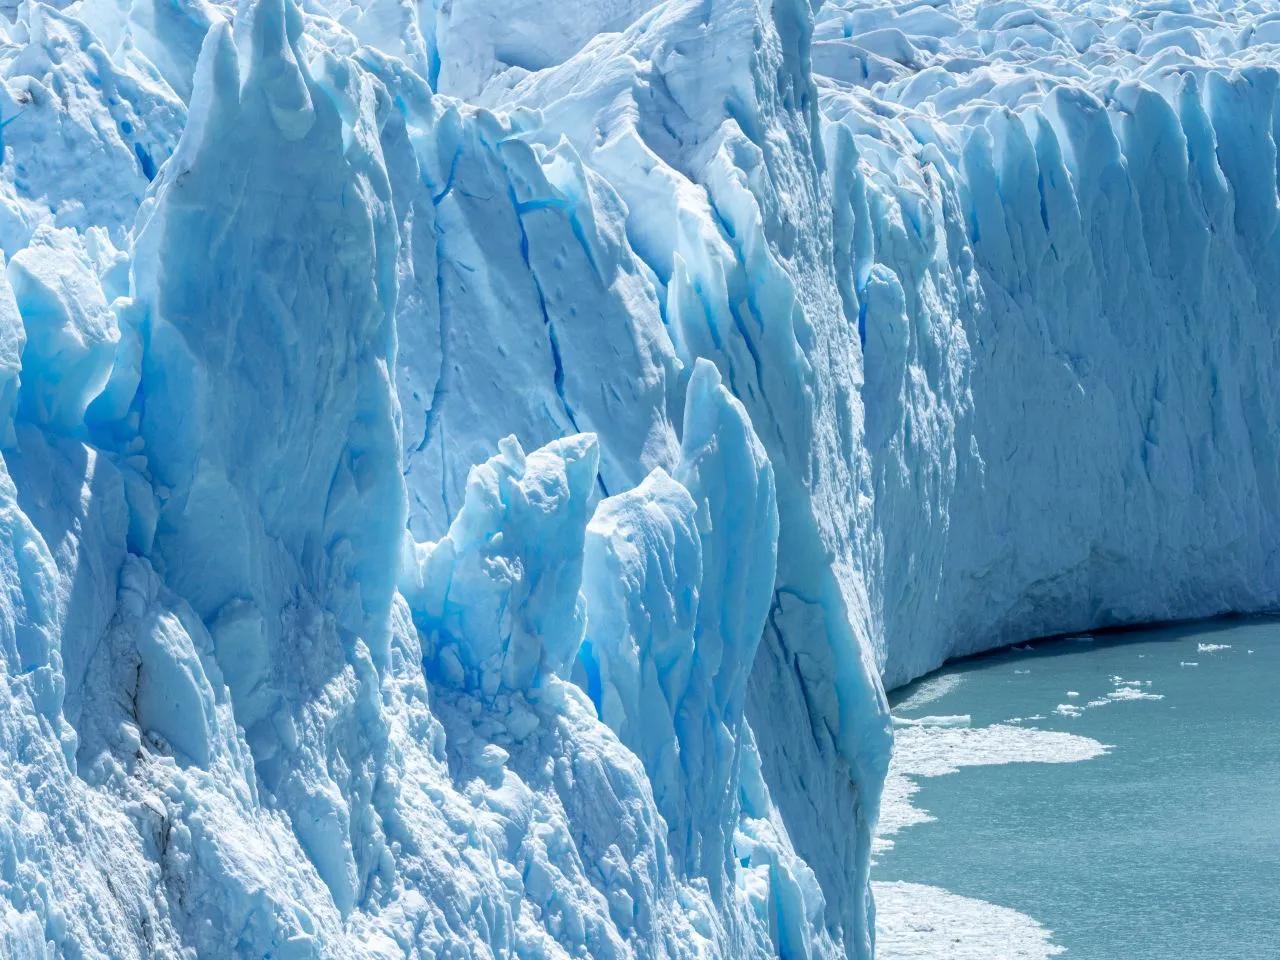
<point x="1168" y="846"/>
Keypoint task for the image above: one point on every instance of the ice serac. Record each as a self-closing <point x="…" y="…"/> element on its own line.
<point x="266" y="300"/>
<point x="679" y="574"/>
<point x="721" y="170"/>
<point x="469" y="472"/>
<point x="497" y="597"/>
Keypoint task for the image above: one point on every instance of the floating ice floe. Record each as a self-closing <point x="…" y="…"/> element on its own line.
<point x="1133" y="693"/>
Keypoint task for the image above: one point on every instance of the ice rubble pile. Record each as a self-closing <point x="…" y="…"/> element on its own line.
<point x="468" y="471"/>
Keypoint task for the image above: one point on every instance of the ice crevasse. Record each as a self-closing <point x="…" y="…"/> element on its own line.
<point x="470" y="470"/>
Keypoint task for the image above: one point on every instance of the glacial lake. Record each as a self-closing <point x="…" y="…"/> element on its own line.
<point x="1114" y="797"/>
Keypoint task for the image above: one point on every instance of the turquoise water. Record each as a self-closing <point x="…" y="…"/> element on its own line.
<point x="1166" y="847"/>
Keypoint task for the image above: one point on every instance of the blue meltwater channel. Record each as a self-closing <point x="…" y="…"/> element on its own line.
<point x="1166" y="845"/>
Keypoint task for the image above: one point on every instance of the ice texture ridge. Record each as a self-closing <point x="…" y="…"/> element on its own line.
<point x="470" y="470"/>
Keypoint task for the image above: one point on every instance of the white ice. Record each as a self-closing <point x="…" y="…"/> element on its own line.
<point x="470" y="470"/>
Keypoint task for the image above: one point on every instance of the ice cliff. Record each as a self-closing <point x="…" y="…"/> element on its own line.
<point x="471" y="470"/>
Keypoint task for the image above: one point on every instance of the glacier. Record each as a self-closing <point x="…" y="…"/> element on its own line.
<point x="471" y="469"/>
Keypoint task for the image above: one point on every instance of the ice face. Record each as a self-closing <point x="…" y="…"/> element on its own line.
<point x="470" y="470"/>
<point x="679" y="573"/>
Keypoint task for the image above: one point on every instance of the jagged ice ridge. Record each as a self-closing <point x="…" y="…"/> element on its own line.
<point x="471" y="470"/>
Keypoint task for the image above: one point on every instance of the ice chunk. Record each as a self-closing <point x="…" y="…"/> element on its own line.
<point x="13" y="338"/>
<point x="498" y="595"/>
<point x="678" y="577"/>
<point x="70" y="331"/>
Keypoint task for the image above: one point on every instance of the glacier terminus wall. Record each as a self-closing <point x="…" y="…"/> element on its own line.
<point x="471" y="469"/>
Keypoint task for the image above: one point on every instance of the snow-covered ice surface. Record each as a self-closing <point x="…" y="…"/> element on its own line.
<point x="470" y="469"/>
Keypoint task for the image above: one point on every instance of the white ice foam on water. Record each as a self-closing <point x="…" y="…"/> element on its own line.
<point x="1213" y="647"/>
<point x="958" y="720"/>
<point x="938" y="751"/>
<point x="924" y="750"/>
<point x="919" y="922"/>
